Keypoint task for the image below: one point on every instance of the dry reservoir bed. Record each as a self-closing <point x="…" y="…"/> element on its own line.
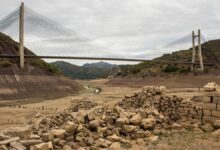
<point x="17" y="115"/>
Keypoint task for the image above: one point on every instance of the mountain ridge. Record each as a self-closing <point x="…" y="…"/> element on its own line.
<point x="210" y="52"/>
<point x="86" y="71"/>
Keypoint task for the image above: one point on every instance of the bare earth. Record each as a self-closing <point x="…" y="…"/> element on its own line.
<point x="17" y="115"/>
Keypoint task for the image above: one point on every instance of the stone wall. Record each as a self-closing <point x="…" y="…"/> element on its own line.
<point x="210" y="102"/>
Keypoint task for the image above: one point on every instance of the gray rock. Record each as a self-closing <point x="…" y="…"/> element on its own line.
<point x="207" y="127"/>
<point x="122" y="121"/>
<point x="30" y="142"/>
<point x="18" y="146"/>
<point x="48" y="136"/>
<point x="115" y="146"/>
<point x="129" y="128"/>
<point x="70" y="127"/>
<point x="148" y="123"/>
<point x="59" y="133"/>
<point x="94" y="123"/>
<point x="4" y="142"/>
<point x="216" y="124"/>
<point x="136" y="119"/>
<point x="216" y="133"/>
<point x="177" y="126"/>
<point x="67" y="147"/>
<point x="22" y="132"/>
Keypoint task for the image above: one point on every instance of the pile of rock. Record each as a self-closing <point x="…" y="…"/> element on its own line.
<point x="137" y="118"/>
<point x="173" y="108"/>
<point x="82" y="104"/>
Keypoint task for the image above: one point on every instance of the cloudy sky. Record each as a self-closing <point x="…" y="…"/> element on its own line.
<point x="127" y="28"/>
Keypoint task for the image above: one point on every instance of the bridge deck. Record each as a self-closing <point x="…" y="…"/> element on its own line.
<point x="98" y="58"/>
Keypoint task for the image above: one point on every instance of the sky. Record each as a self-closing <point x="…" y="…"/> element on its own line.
<point x="127" y="28"/>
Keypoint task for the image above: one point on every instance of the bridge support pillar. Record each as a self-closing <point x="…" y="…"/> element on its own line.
<point x="21" y="36"/>
<point x="200" y="51"/>
<point x="193" y="51"/>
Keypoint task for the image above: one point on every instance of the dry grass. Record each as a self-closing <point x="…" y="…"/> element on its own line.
<point x="186" y="141"/>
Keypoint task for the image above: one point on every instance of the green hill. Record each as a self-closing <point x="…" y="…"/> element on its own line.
<point x="9" y="47"/>
<point x="211" y="54"/>
<point x="87" y="71"/>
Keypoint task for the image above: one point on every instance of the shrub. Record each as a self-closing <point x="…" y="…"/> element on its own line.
<point x="5" y="63"/>
<point x="168" y="69"/>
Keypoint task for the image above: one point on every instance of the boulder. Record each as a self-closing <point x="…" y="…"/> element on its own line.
<point x="34" y="136"/>
<point x="122" y="113"/>
<point x="67" y="147"/>
<point x="81" y="148"/>
<point x="94" y="123"/>
<point x="140" y="141"/>
<point x="153" y="138"/>
<point x="79" y="116"/>
<point x="30" y="142"/>
<point x="114" y="138"/>
<point x="70" y="127"/>
<point x="216" y="124"/>
<point x="91" y="114"/>
<point x="160" y="89"/>
<point x="4" y="137"/>
<point x="41" y="146"/>
<point x="22" y="132"/>
<point x="49" y="136"/>
<point x="4" y="142"/>
<point x="177" y="126"/>
<point x="136" y="119"/>
<point x="17" y="146"/>
<point x="154" y="111"/>
<point x="207" y="127"/>
<point x="103" y="143"/>
<point x="216" y="133"/>
<point x="148" y="123"/>
<point x="210" y="87"/>
<point x="115" y="146"/>
<point x="122" y="121"/>
<point x="4" y="147"/>
<point x="129" y="128"/>
<point x="59" y="133"/>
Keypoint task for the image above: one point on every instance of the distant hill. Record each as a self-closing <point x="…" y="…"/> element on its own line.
<point x="211" y="54"/>
<point x="87" y="71"/>
<point x="101" y="64"/>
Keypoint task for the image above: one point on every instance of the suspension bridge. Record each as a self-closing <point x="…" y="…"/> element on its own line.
<point x="50" y="40"/>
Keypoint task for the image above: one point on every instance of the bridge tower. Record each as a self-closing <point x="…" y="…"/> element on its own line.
<point x="199" y="50"/>
<point x="21" y="36"/>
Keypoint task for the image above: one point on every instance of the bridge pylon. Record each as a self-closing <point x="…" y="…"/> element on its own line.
<point x="199" y="51"/>
<point x="21" y="36"/>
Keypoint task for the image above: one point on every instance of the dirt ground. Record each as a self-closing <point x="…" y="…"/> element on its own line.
<point x="175" y="81"/>
<point x="24" y="110"/>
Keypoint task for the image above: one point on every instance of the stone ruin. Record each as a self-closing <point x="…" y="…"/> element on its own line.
<point x="138" y="118"/>
<point x="210" y="102"/>
<point x="173" y="108"/>
<point x="81" y="104"/>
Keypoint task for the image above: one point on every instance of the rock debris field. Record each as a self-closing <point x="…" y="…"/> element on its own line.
<point x="85" y="125"/>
